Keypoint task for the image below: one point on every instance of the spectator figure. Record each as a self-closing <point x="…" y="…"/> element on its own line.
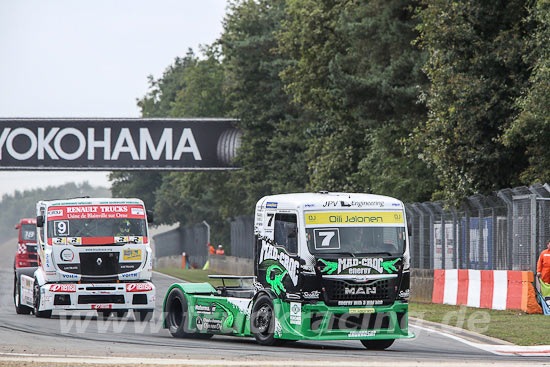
<point x="211" y="249"/>
<point x="543" y="265"/>
<point x="220" y="250"/>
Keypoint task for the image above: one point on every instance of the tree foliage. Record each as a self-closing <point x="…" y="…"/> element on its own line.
<point x="478" y="66"/>
<point x="531" y="129"/>
<point x="417" y="99"/>
<point x="355" y="67"/>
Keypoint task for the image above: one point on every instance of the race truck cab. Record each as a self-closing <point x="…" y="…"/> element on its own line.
<point x="94" y="255"/>
<point x="27" y="254"/>
<point x="327" y="266"/>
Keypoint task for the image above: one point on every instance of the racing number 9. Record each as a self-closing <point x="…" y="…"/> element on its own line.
<point x="61" y="227"/>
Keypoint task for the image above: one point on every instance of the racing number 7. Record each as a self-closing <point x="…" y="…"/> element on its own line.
<point x="270" y="220"/>
<point x="327" y="237"/>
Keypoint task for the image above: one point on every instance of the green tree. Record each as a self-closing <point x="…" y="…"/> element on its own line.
<point x="355" y="67"/>
<point x="531" y="129"/>
<point x="272" y="156"/>
<point x="478" y="65"/>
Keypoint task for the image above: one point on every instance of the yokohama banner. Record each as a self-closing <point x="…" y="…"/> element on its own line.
<point x="118" y="144"/>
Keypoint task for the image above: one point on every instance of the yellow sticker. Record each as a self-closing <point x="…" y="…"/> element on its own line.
<point x="131" y="255"/>
<point x="361" y="310"/>
<point x="354" y="218"/>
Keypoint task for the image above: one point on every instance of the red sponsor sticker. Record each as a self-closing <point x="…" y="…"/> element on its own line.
<point x="139" y="287"/>
<point x="63" y="288"/>
<point x="101" y="307"/>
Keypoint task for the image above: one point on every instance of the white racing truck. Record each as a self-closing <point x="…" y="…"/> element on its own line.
<point x="94" y="254"/>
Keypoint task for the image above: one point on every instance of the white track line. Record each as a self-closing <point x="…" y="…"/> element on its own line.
<point x="501" y="350"/>
<point x="133" y="361"/>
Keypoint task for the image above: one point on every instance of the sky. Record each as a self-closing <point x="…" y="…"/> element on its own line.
<point x="91" y="58"/>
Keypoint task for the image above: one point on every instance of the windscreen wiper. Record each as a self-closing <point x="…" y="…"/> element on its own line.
<point x="339" y="253"/>
<point x="378" y="253"/>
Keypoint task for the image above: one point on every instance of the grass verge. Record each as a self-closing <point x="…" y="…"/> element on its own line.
<point x="195" y="275"/>
<point x="513" y="326"/>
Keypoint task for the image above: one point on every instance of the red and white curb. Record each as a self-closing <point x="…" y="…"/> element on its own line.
<point x="501" y="350"/>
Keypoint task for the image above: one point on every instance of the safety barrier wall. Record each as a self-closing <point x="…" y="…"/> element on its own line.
<point x="495" y="289"/>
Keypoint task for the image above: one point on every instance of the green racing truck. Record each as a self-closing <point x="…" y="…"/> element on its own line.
<point x="327" y="266"/>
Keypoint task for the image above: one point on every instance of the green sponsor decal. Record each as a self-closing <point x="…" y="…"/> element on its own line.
<point x="389" y="265"/>
<point x="359" y="266"/>
<point x="277" y="282"/>
<point x="330" y="266"/>
<point x="228" y="322"/>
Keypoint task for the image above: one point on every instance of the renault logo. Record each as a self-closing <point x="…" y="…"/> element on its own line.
<point x="99" y="261"/>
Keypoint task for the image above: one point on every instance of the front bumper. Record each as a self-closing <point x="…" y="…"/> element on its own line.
<point x="90" y="296"/>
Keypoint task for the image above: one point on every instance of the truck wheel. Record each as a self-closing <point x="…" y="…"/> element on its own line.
<point x="377" y="344"/>
<point x="36" y="295"/>
<point x="19" y="308"/>
<point x="143" y="315"/>
<point x="262" y="322"/>
<point x="177" y="314"/>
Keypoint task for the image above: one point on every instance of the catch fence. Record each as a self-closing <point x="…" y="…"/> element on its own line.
<point x="504" y="231"/>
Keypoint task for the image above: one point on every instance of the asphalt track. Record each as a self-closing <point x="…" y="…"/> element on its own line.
<point x="82" y="334"/>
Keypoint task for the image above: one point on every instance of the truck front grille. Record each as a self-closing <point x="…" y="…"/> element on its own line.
<point x="98" y="299"/>
<point x="99" y="263"/>
<point x="380" y="292"/>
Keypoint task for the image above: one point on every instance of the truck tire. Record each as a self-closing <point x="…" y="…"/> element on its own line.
<point x="262" y="321"/>
<point x="177" y="314"/>
<point x="19" y="308"/>
<point x="143" y="315"/>
<point x="36" y="295"/>
<point x="377" y="344"/>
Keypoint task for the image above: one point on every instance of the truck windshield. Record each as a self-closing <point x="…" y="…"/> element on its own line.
<point x="28" y="232"/>
<point x="356" y="240"/>
<point x="108" y="227"/>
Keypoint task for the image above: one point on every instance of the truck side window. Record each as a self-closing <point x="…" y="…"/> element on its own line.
<point x="286" y="232"/>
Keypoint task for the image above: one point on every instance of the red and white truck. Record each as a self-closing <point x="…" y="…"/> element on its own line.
<point x="94" y="254"/>
<point x="27" y="254"/>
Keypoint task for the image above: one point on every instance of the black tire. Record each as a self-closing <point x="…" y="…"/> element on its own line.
<point x="262" y="321"/>
<point x="121" y="313"/>
<point x="143" y="315"/>
<point x="36" y="295"/>
<point x="104" y="314"/>
<point x="380" y="344"/>
<point x="19" y="308"/>
<point x="177" y="314"/>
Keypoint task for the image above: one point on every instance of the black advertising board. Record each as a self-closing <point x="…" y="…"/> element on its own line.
<point x="118" y="144"/>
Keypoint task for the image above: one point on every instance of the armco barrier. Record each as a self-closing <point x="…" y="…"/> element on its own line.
<point x="495" y="289"/>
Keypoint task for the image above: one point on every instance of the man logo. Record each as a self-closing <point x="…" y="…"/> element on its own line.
<point x="353" y="291"/>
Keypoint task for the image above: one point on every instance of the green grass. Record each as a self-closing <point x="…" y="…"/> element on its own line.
<point x="514" y="326"/>
<point x="195" y="276"/>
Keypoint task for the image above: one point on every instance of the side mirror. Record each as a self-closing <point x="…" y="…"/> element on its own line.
<point x="40" y="221"/>
<point x="150" y="216"/>
<point x="17" y="226"/>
